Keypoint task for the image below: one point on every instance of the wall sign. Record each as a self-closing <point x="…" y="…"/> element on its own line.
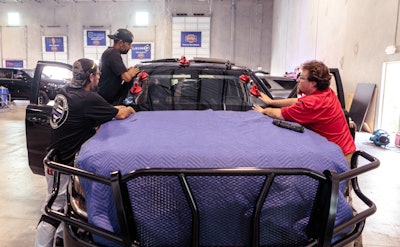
<point x="96" y="38"/>
<point x="190" y="39"/>
<point x="141" y="51"/>
<point x="54" y="44"/>
<point x="14" y="63"/>
<point x="191" y="36"/>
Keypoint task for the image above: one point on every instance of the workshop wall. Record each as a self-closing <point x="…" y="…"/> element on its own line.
<point x="350" y="35"/>
<point x="241" y="30"/>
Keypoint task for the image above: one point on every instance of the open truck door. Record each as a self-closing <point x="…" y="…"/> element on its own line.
<point x="38" y="112"/>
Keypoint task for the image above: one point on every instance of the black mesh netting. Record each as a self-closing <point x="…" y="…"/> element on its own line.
<point x="226" y="205"/>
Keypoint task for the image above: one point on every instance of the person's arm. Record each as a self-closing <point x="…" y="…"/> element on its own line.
<point x="277" y="102"/>
<point x="271" y="112"/>
<point x="123" y="112"/>
<point x="129" y="74"/>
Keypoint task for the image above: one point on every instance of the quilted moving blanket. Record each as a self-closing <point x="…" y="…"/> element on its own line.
<point x="205" y="139"/>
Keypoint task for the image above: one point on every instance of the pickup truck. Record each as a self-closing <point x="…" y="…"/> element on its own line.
<point x="38" y="111"/>
<point x="190" y="170"/>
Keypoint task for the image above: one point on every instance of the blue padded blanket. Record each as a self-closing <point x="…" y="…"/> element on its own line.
<point x="205" y="139"/>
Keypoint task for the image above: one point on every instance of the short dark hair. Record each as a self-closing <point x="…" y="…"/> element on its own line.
<point x="318" y="72"/>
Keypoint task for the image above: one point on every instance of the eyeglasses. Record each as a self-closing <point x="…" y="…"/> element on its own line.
<point x="302" y="78"/>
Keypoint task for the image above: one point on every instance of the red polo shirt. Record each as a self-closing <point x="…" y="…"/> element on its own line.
<point x="321" y="112"/>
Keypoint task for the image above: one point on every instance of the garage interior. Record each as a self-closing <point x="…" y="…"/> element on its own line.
<point x="286" y="33"/>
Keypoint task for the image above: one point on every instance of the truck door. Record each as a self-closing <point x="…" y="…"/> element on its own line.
<point x="38" y="113"/>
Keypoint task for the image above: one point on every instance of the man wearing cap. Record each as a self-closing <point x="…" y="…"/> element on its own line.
<point x="116" y="79"/>
<point x="76" y="114"/>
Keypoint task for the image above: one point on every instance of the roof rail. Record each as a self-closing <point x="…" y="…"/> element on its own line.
<point x="211" y="60"/>
<point x="164" y="60"/>
<point x="227" y="63"/>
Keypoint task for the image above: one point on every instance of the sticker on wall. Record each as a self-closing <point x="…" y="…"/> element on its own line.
<point x="141" y="51"/>
<point x="95" y="37"/>
<point x="14" y="63"/>
<point x="54" y="44"/>
<point x="190" y="39"/>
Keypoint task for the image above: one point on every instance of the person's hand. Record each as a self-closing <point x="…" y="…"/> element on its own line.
<point x="130" y="109"/>
<point x="258" y="108"/>
<point x="264" y="98"/>
<point x="133" y="71"/>
<point x="124" y="112"/>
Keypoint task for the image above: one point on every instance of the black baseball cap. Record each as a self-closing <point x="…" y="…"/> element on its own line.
<point x="122" y="34"/>
<point x="81" y="70"/>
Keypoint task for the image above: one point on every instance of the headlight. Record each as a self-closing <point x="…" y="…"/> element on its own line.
<point x="77" y="197"/>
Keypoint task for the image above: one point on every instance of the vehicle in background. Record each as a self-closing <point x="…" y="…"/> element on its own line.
<point x="19" y="83"/>
<point x="51" y="82"/>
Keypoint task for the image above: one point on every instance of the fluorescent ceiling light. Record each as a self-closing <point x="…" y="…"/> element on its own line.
<point x="142" y="19"/>
<point x="13" y="19"/>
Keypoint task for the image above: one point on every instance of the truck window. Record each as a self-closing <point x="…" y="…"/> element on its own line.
<point x="6" y="74"/>
<point x="53" y="78"/>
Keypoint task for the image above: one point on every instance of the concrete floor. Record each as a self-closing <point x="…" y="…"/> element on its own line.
<point x="22" y="193"/>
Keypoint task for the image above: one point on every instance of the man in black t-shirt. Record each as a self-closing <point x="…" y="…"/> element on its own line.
<point x="78" y="110"/>
<point x="116" y="79"/>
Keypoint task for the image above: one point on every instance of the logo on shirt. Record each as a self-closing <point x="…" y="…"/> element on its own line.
<point x="59" y="114"/>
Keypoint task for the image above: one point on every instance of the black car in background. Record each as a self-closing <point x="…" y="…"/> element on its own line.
<point x="19" y="83"/>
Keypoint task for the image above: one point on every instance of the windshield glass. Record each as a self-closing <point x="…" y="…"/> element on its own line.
<point x="185" y="89"/>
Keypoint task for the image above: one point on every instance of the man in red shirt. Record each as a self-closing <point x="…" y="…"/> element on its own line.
<point x="319" y="109"/>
